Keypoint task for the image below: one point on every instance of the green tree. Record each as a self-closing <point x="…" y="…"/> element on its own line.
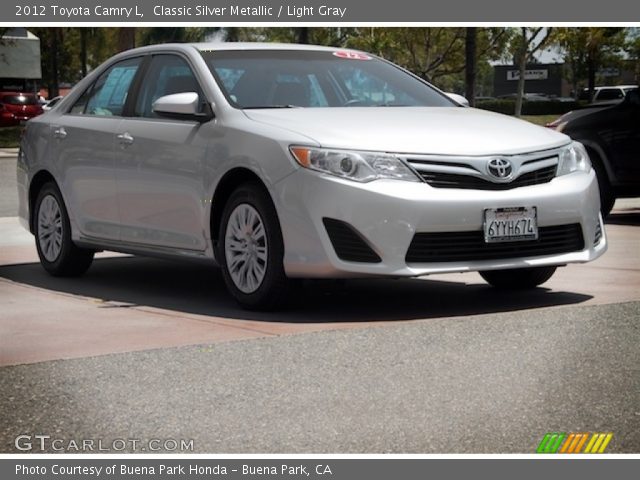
<point x="632" y="47"/>
<point x="154" y="35"/>
<point x="525" y="45"/>
<point x="481" y="46"/>
<point x="587" y="49"/>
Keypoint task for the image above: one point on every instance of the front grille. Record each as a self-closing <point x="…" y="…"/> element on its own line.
<point x="451" y="180"/>
<point x="348" y="243"/>
<point x="470" y="246"/>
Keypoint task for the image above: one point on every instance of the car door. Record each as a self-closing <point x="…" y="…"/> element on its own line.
<point x="626" y="139"/>
<point x="84" y="151"/>
<point x="159" y="164"/>
<point x="617" y="129"/>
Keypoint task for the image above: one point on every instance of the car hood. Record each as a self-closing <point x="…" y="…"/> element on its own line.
<point x="428" y="130"/>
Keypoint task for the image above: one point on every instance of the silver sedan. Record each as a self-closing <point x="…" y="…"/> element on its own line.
<point x="280" y="162"/>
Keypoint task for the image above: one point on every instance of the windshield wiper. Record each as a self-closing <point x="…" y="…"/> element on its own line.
<point x="256" y="107"/>
<point x="392" y="105"/>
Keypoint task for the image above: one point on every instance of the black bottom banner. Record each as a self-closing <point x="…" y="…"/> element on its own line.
<point x="317" y="468"/>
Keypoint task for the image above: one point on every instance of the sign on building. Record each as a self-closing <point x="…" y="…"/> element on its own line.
<point x="539" y="74"/>
<point x="609" y="72"/>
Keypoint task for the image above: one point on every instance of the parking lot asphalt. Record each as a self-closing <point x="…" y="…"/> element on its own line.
<point x="479" y="383"/>
<point x="144" y="348"/>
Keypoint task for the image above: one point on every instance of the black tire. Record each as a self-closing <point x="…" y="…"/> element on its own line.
<point x="67" y="260"/>
<point x="519" y="278"/>
<point x="607" y="197"/>
<point x="272" y="290"/>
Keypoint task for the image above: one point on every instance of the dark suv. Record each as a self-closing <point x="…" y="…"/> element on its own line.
<point x="611" y="133"/>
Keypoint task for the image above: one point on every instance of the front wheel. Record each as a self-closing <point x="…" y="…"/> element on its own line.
<point x="518" y="278"/>
<point x="58" y="254"/>
<point x="251" y="249"/>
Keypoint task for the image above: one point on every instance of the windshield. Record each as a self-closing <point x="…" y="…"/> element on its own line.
<point x="300" y="78"/>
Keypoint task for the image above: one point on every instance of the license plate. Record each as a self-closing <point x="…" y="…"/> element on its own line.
<point x="510" y="224"/>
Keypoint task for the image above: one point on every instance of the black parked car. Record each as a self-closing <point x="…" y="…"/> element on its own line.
<point x="611" y="133"/>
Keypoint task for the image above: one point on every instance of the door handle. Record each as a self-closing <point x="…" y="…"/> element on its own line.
<point x="125" y="138"/>
<point x="60" y="133"/>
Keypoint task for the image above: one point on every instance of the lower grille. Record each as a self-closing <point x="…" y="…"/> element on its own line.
<point x="470" y="246"/>
<point x="348" y="243"/>
<point x="450" y="180"/>
<point x="598" y="235"/>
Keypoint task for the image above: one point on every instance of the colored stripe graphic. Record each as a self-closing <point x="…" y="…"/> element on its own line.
<point x="554" y="442"/>
<point x="551" y="442"/>
<point x="554" y="448"/>
<point x="543" y="443"/>
<point x="598" y="443"/>
<point x="592" y="441"/>
<point x="570" y="440"/>
<point x="578" y="447"/>
<point x="605" y="443"/>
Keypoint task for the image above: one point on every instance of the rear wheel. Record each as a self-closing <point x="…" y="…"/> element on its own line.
<point x="251" y="249"/>
<point x="519" y="278"/>
<point x="58" y="254"/>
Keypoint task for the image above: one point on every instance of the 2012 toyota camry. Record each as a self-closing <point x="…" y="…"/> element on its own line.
<point x="282" y="161"/>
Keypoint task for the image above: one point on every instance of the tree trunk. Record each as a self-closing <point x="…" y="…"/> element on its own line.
<point x="53" y="87"/>
<point x="522" y="65"/>
<point x="83" y="51"/>
<point x="126" y="38"/>
<point x="574" y="80"/>
<point x="470" y="65"/>
<point x="591" y="75"/>
<point x="232" y="34"/>
<point x="302" y="35"/>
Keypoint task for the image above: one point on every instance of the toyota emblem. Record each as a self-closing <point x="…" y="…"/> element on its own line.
<point x="500" y="168"/>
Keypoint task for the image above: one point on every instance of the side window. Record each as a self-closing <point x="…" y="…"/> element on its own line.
<point x="81" y="103"/>
<point x="167" y="74"/>
<point x="107" y="96"/>
<point x="610" y="94"/>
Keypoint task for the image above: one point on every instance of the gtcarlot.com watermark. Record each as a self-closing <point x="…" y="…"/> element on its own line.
<point x="47" y="443"/>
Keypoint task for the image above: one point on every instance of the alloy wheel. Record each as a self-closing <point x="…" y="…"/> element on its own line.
<point x="246" y="248"/>
<point x="50" y="228"/>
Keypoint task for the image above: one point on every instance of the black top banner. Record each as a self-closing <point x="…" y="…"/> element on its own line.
<point x="23" y="12"/>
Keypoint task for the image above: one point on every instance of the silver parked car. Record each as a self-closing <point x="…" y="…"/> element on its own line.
<point x="283" y="161"/>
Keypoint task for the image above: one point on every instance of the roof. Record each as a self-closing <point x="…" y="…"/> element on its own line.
<point x="217" y="46"/>
<point x="18" y="32"/>
<point x="210" y="46"/>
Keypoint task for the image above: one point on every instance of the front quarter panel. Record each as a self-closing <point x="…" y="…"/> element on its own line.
<point x="242" y="143"/>
<point x="33" y="157"/>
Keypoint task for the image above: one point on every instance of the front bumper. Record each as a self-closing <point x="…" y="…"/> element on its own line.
<point x="388" y="213"/>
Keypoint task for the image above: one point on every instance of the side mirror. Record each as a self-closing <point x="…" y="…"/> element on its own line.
<point x="182" y="106"/>
<point x="458" y="99"/>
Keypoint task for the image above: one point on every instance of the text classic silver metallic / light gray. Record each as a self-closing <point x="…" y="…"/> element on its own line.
<point x="284" y="161"/>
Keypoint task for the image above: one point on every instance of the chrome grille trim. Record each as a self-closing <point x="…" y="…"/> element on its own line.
<point x="442" y="171"/>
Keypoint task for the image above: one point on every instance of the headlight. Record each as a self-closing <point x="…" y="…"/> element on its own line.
<point x="358" y="166"/>
<point x="574" y="159"/>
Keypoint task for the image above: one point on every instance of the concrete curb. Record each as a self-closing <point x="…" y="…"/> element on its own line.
<point x="8" y="152"/>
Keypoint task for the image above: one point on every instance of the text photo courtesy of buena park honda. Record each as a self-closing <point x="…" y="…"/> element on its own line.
<point x="350" y="239"/>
